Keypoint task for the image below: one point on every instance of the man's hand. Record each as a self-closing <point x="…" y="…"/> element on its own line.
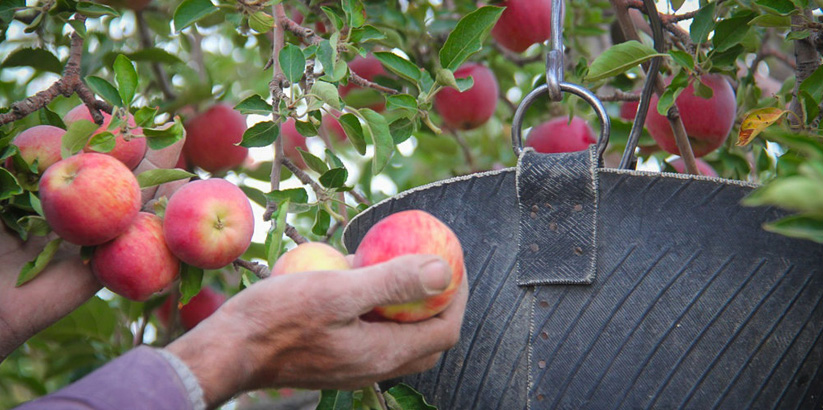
<point x="66" y="283"/>
<point x="305" y="330"/>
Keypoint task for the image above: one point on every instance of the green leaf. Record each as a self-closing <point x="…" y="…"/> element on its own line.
<point x="399" y="65"/>
<point x="334" y="69"/>
<point x="798" y="35"/>
<point x="295" y="195"/>
<point x="365" y="34"/>
<point x="467" y="38"/>
<point x="676" y="4"/>
<point x="254" y="104"/>
<point x="464" y="84"/>
<point x="814" y="84"/>
<point x="811" y="107"/>
<point x="9" y="186"/>
<point x="404" y="103"/>
<point x="316" y="164"/>
<point x="292" y="62"/>
<point x="190" y="11"/>
<point x="163" y="136"/>
<point x="11" y="5"/>
<point x="155" y="55"/>
<point x="620" y="58"/>
<point x="678" y="84"/>
<point x="261" y="134"/>
<point x="261" y="22"/>
<point x="334" y="178"/>
<point x="274" y="240"/>
<point x="797" y="193"/>
<point x="322" y="221"/>
<point x="32" y="268"/>
<point x="351" y="125"/>
<point x="777" y="7"/>
<point x="770" y="20"/>
<point x="126" y="78"/>
<point x="702" y="90"/>
<point x="381" y="138"/>
<point x="154" y="177"/>
<point x="104" y="89"/>
<point x="90" y="9"/>
<point x="335" y="19"/>
<point x="36" y="58"/>
<point x="305" y="128"/>
<point x="35" y="225"/>
<point x="328" y="93"/>
<point x="703" y="23"/>
<point x="798" y="226"/>
<point x="76" y="137"/>
<point x="401" y="129"/>
<point x="403" y="396"/>
<point x="102" y="142"/>
<point x="730" y="32"/>
<point x="191" y="280"/>
<point x="144" y="117"/>
<point x="445" y="78"/>
<point x="49" y="117"/>
<point x="355" y="14"/>
<point x="682" y="58"/>
<point x="336" y="400"/>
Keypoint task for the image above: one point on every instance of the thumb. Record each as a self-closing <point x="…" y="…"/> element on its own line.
<point x="404" y="279"/>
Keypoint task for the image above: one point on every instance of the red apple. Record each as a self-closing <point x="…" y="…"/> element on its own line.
<point x="629" y="110"/>
<point x="208" y="223"/>
<point x="211" y="138"/>
<point x="310" y="256"/>
<point x="369" y="68"/>
<point x="137" y="263"/>
<point x="560" y="135"/>
<point x="333" y="128"/>
<point x="89" y="199"/>
<point x="523" y="23"/>
<point x="292" y="139"/>
<point x="412" y="232"/>
<point x="703" y="167"/>
<point x="473" y="107"/>
<point x="40" y="143"/>
<point x="707" y="121"/>
<point x="200" y="307"/>
<point x="129" y="149"/>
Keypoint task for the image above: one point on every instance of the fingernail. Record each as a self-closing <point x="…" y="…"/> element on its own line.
<point x="435" y="276"/>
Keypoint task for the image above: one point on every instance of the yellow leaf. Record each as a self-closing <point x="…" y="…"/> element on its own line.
<point x="757" y="121"/>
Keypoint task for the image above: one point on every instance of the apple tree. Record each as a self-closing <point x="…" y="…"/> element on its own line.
<point x="318" y="108"/>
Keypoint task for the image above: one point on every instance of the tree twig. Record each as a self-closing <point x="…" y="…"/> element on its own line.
<point x="619" y="95"/>
<point x="258" y="269"/>
<point x="70" y="83"/>
<point x="318" y="189"/>
<point x="292" y="233"/>
<point x="276" y="88"/>
<point x="159" y="72"/>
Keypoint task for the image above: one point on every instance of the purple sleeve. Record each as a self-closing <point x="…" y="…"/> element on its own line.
<point x="140" y="379"/>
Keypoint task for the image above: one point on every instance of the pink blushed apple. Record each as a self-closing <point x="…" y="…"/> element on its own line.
<point x="40" y="143"/>
<point x="211" y="139"/>
<point x="560" y="135"/>
<point x="412" y="232"/>
<point x="523" y="23"/>
<point x="310" y="256"/>
<point x="200" y="307"/>
<point x="208" y="223"/>
<point x="130" y="151"/>
<point x="89" y="199"/>
<point x="702" y="167"/>
<point x="471" y="108"/>
<point x="136" y="264"/>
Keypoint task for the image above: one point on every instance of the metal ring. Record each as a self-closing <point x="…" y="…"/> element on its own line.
<point x="580" y="91"/>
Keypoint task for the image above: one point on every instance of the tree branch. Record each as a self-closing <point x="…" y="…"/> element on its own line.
<point x="276" y="88"/>
<point x="807" y="59"/>
<point x="258" y="269"/>
<point x="67" y="85"/>
<point x="322" y="196"/>
<point x="292" y="233"/>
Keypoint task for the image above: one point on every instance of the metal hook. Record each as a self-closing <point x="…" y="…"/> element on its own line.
<point x="628" y="160"/>
<point x="555" y="69"/>
<point x="580" y="91"/>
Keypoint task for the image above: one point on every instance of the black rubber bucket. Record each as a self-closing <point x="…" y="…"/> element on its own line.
<point x="603" y="288"/>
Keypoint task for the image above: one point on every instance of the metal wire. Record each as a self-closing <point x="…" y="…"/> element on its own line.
<point x="628" y="160"/>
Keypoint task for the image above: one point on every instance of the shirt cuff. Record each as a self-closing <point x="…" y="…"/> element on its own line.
<point x="189" y="380"/>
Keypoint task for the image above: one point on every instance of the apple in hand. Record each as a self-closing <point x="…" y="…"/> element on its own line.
<point x="40" y="143"/>
<point x="208" y="223"/>
<point x="412" y="232"/>
<point x="707" y="121"/>
<point x="292" y="139"/>
<point x="129" y="149"/>
<point x="310" y="256"/>
<point x="561" y="135"/>
<point x="471" y="108"/>
<point x="200" y="307"/>
<point x="137" y="263"/>
<point x="523" y="23"/>
<point x="211" y="138"/>
<point x="89" y="199"/>
<point x="702" y="167"/>
<point x="370" y="68"/>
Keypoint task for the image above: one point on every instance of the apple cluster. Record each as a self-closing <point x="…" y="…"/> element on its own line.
<point x="94" y="200"/>
<point x="402" y="233"/>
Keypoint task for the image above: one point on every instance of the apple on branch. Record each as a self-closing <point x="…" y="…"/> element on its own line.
<point x="471" y="108"/>
<point x="200" y="307"/>
<point x="211" y="137"/>
<point x="40" y="143"/>
<point x="130" y="149"/>
<point x="561" y="135"/>
<point x="523" y="23"/>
